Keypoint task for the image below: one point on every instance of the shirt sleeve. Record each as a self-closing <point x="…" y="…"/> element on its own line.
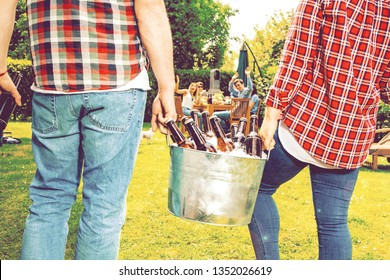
<point x="249" y="84"/>
<point x="298" y="54"/>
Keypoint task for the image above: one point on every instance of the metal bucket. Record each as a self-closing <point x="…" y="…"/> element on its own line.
<point x="212" y="188"/>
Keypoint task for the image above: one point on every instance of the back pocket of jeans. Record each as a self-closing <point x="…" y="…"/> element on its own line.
<point x="44" y="117"/>
<point x="111" y="110"/>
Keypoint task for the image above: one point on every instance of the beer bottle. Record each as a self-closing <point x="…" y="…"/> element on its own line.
<point x="253" y="143"/>
<point x="233" y="130"/>
<point x="7" y="107"/>
<point x="239" y="137"/>
<point x="224" y="144"/>
<point x="177" y="136"/>
<point x="210" y="98"/>
<point x="196" y="135"/>
<point x="207" y="130"/>
<point x="195" y="117"/>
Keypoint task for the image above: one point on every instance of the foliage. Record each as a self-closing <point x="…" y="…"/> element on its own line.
<point x="152" y="233"/>
<point x="23" y="67"/>
<point x="200" y="31"/>
<point x="267" y="46"/>
<point x="20" y="43"/>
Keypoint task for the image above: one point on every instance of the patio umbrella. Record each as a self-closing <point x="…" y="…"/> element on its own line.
<point x="243" y="63"/>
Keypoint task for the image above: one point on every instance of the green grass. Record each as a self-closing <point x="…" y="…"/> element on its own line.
<point x="152" y="233"/>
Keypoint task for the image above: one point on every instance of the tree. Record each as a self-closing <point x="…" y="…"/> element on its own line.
<point x="200" y="31"/>
<point x="267" y="46"/>
<point x="20" y="45"/>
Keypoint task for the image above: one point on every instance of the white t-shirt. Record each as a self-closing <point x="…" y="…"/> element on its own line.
<point x="141" y="81"/>
<point x="187" y="101"/>
<point x="291" y="145"/>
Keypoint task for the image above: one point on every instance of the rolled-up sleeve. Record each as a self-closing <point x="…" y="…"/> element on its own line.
<point x="298" y="54"/>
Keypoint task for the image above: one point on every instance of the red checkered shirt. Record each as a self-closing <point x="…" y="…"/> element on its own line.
<point x="84" y="45"/>
<point x="335" y="68"/>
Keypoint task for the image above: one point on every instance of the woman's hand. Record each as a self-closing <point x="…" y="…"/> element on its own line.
<point x="268" y="127"/>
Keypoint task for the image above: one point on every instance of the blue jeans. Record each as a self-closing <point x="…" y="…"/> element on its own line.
<point x="224" y="116"/>
<point x="93" y="136"/>
<point x="187" y="112"/>
<point x="332" y="190"/>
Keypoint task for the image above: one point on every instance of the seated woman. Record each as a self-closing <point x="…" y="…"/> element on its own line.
<point x="190" y="96"/>
<point x="254" y="103"/>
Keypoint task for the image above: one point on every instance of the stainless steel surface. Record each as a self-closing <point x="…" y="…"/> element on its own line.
<point x="211" y="188"/>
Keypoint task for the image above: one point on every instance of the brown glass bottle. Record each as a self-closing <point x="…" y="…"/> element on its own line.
<point x="194" y="115"/>
<point x="7" y="107"/>
<point x="253" y="143"/>
<point x="239" y="137"/>
<point x="196" y="135"/>
<point x="207" y="129"/>
<point x="224" y="144"/>
<point x="233" y="130"/>
<point x="177" y="136"/>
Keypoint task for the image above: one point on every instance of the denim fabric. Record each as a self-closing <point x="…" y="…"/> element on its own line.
<point x="91" y="136"/>
<point x="332" y="190"/>
<point x="224" y="117"/>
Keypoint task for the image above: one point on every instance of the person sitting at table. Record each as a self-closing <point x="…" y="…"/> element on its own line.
<point x="254" y="103"/>
<point x="237" y="88"/>
<point x="190" y="96"/>
<point x="224" y="116"/>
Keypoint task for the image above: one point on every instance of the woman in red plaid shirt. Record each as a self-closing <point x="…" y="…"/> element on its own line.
<point x="321" y="113"/>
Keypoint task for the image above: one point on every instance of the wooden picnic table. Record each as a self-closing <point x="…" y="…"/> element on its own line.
<point x="211" y="108"/>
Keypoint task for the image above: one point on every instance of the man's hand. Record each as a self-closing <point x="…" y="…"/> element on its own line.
<point x="163" y="108"/>
<point x="247" y="71"/>
<point x="6" y="84"/>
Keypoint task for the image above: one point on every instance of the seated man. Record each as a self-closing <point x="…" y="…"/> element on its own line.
<point x="224" y="116"/>
<point x="237" y="88"/>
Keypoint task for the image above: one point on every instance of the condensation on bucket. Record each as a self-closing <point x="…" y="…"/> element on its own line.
<point x="211" y="188"/>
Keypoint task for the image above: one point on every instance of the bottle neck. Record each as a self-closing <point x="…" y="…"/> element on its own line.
<point x="254" y="128"/>
<point x="206" y="123"/>
<point x="195" y="117"/>
<point x="195" y="133"/>
<point x="177" y="136"/>
<point x="218" y="130"/>
<point x="233" y="130"/>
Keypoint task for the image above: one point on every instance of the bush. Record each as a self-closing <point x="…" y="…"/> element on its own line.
<point x="23" y="67"/>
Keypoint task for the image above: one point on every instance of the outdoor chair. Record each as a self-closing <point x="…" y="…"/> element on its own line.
<point x="381" y="148"/>
<point x="240" y="108"/>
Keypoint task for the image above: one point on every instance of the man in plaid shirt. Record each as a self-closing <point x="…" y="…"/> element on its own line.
<point x="90" y="86"/>
<point x="321" y="112"/>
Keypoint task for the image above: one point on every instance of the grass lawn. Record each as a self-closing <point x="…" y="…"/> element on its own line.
<point x="152" y="233"/>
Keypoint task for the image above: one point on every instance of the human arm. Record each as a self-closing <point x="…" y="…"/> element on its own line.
<point x="232" y="90"/>
<point x="248" y="79"/>
<point x="268" y="127"/>
<point x="298" y="54"/>
<point x="177" y="90"/>
<point x="156" y="37"/>
<point x="7" y="19"/>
